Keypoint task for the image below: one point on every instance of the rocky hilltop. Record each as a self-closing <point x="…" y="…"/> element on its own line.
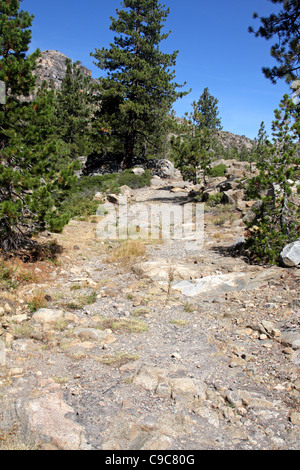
<point x="51" y="67"/>
<point x="230" y="140"/>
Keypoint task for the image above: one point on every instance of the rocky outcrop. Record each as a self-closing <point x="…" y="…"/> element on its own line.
<point x="51" y="67"/>
<point x="229" y="141"/>
<point x="105" y="163"/>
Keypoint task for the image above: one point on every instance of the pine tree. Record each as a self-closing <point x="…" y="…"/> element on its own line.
<point x="193" y="149"/>
<point x="139" y="85"/>
<point x="32" y="174"/>
<point x="259" y="146"/>
<point x="206" y="113"/>
<point x="73" y="109"/>
<point x="277" y="218"/>
<point x="15" y="67"/>
<point x="284" y="27"/>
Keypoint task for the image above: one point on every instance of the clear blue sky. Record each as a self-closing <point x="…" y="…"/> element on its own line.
<point x="215" y="50"/>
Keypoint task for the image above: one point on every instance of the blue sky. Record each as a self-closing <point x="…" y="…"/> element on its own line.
<point x="215" y="50"/>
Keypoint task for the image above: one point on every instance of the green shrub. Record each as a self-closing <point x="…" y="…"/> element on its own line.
<point x="79" y="201"/>
<point x="217" y="171"/>
<point x="214" y="199"/>
<point x="134" y="181"/>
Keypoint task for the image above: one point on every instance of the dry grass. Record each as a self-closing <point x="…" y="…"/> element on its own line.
<point x="37" y="301"/>
<point x="14" y="439"/>
<point x="80" y="302"/>
<point x="179" y="322"/>
<point x="123" y="326"/>
<point x="118" y="359"/>
<point x="13" y="273"/>
<point x="126" y="252"/>
<point x="228" y="217"/>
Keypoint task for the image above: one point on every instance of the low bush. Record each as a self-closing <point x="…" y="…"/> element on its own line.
<point x="79" y="201"/>
<point x="214" y="199"/>
<point x="134" y="181"/>
<point x="217" y="171"/>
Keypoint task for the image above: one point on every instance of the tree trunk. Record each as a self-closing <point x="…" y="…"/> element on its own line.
<point x="129" y="145"/>
<point x="128" y="153"/>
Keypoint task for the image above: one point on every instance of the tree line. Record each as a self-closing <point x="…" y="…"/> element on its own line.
<point x="127" y="112"/>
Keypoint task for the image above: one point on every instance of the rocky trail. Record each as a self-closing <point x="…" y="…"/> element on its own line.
<point x="169" y="350"/>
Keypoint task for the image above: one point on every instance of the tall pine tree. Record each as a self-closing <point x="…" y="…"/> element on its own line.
<point x="193" y="149"/>
<point x="15" y="66"/>
<point x="31" y="174"/>
<point x="277" y="218"/>
<point x="139" y="86"/>
<point x="206" y="112"/>
<point x="73" y="109"/>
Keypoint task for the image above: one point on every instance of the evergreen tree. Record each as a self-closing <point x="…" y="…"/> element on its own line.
<point x="139" y="86"/>
<point x="192" y="149"/>
<point x="192" y="154"/>
<point x="258" y="149"/>
<point x="30" y="170"/>
<point x="15" y="67"/>
<point x="277" y="219"/>
<point x="206" y="113"/>
<point x="285" y="27"/>
<point x="73" y="109"/>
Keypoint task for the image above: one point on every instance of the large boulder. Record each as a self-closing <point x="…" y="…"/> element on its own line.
<point x="290" y="254"/>
<point x="233" y="196"/>
<point x="138" y="171"/>
<point x="251" y="215"/>
<point x="162" y="168"/>
<point x="48" y="316"/>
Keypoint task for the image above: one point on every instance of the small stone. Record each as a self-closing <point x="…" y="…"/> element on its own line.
<point x="279" y="387"/>
<point x="16" y="372"/>
<point x="271" y="329"/>
<point x="184" y="387"/>
<point x="19" y="318"/>
<point x="268" y="345"/>
<point x="23" y="345"/>
<point x="296" y="344"/>
<point x="47" y="316"/>
<point x="94" y="335"/>
<point x="163" y="390"/>
<point x="98" y="196"/>
<point x="295" y="418"/>
<point x="263" y="336"/>
<point x="175" y="355"/>
<point x="270" y="305"/>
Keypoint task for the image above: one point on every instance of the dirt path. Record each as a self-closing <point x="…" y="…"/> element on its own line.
<point x="173" y="349"/>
